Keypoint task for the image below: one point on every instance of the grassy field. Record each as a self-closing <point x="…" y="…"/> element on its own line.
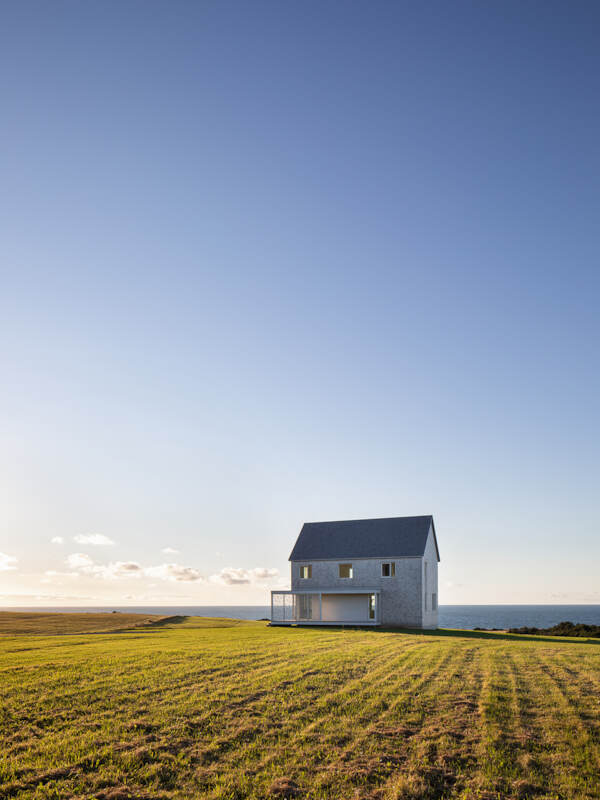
<point x="224" y="709"/>
<point x="49" y="623"/>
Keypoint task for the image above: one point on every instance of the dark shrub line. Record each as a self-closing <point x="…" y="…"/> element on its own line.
<point x="563" y="629"/>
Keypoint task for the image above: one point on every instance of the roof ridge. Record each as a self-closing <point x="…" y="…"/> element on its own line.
<point x="369" y="519"/>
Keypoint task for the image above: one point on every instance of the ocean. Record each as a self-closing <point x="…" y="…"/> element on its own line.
<point x="466" y="617"/>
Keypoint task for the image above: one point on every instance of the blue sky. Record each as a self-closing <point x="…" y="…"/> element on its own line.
<point x="270" y="262"/>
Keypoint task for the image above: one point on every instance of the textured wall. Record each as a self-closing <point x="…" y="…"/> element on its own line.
<point x="400" y="598"/>
<point x="430" y="617"/>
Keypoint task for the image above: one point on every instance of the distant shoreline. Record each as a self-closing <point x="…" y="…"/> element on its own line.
<point x="462" y="617"/>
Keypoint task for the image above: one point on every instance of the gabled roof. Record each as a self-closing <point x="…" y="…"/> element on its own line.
<point x="400" y="537"/>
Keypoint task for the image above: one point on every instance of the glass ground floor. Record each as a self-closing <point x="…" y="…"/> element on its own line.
<point x="325" y="607"/>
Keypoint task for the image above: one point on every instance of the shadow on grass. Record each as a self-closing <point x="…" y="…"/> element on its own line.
<point x="493" y="636"/>
<point x="151" y="625"/>
<point x="454" y="633"/>
<point x="174" y="620"/>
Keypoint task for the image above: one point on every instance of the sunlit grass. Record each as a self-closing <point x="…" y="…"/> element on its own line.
<point x="12" y="622"/>
<point x="225" y="709"/>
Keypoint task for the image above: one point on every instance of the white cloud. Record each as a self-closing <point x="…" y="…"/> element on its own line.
<point x="122" y="569"/>
<point x="58" y="540"/>
<point x="116" y="569"/>
<point x="169" y="550"/>
<point x="173" y="572"/>
<point x="237" y="576"/>
<point x="97" y="539"/>
<point x="131" y="569"/>
<point x="230" y="576"/>
<point x="7" y="562"/>
<point x="79" y="561"/>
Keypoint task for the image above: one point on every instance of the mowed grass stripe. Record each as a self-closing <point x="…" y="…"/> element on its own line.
<point x="363" y="762"/>
<point x="257" y="677"/>
<point x="546" y="748"/>
<point x="168" y="677"/>
<point x="303" y="725"/>
<point x="585" y="753"/>
<point x="194" y="711"/>
<point x="324" y="744"/>
<point x="559" y="726"/>
<point x="440" y="754"/>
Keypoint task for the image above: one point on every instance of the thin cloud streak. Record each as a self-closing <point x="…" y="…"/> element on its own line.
<point x="132" y="569"/>
<point x="96" y="539"/>
<point x="238" y="576"/>
<point x="174" y="572"/>
<point x="83" y="564"/>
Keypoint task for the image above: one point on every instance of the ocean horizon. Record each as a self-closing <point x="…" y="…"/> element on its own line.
<point x="465" y="617"/>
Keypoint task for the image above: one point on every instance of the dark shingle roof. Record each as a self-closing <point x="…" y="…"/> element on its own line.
<point x="364" y="538"/>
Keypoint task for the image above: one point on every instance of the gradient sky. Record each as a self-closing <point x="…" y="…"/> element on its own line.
<point x="269" y="262"/>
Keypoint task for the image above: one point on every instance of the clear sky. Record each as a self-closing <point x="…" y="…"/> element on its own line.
<point x="270" y="262"/>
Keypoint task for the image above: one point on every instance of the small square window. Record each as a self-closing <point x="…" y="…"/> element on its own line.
<point x="345" y="570"/>
<point x="388" y="570"/>
<point x="306" y="571"/>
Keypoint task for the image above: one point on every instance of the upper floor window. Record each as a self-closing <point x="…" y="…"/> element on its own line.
<point x="306" y="571"/>
<point x="434" y="601"/>
<point x="345" y="570"/>
<point x="388" y="570"/>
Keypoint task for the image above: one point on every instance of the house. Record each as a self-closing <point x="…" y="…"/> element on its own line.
<point x="362" y="572"/>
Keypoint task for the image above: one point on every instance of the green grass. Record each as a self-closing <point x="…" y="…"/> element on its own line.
<point x="225" y="709"/>
<point x="12" y="622"/>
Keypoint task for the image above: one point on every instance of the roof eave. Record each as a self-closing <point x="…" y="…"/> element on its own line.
<point x="437" y="549"/>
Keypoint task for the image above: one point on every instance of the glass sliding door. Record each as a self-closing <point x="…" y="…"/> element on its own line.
<point x="304" y="606"/>
<point x="372" y="606"/>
